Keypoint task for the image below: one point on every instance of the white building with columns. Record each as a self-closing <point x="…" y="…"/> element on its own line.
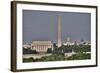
<point x="41" y="46"/>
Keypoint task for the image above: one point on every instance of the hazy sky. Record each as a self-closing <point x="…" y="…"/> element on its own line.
<point x="42" y="25"/>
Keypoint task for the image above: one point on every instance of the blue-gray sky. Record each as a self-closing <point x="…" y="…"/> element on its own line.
<point x="42" y="25"/>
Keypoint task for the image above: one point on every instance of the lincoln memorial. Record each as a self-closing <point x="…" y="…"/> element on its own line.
<point x="41" y="46"/>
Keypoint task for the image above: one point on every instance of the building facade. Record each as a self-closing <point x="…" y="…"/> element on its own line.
<point x="41" y="46"/>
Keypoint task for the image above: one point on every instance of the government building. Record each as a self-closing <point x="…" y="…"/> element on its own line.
<point x="41" y="46"/>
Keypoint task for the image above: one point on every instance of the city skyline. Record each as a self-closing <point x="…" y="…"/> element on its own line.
<point x="42" y="25"/>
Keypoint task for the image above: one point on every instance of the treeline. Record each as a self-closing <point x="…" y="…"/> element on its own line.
<point x="70" y="48"/>
<point x="29" y="51"/>
<point x="58" y="54"/>
<point x="56" y="57"/>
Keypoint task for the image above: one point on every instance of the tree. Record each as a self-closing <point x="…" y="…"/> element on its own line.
<point x="54" y="48"/>
<point x="29" y="51"/>
<point x="49" y="50"/>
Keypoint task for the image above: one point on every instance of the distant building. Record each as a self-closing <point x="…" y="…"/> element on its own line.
<point x="68" y="42"/>
<point x="27" y="46"/>
<point x="41" y="46"/>
<point x="85" y="43"/>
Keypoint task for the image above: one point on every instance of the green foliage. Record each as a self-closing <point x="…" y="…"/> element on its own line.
<point x="28" y="59"/>
<point x="70" y="48"/>
<point x="29" y="51"/>
<point x="80" y="56"/>
<point x="58" y="53"/>
<point x="49" y="50"/>
<point x="53" y="57"/>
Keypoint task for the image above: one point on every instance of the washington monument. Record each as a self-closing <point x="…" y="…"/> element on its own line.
<point x="59" y="32"/>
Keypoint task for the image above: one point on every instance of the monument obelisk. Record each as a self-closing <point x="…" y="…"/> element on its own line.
<point x="59" y="32"/>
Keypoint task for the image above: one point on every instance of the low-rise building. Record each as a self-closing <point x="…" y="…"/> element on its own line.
<point x="69" y="43"/>
<point x="26" y="46"/>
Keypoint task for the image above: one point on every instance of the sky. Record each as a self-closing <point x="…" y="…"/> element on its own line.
<point x="42" y="25"/>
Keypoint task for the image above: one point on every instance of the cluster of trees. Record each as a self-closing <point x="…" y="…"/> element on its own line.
<point x="69" y="48"/>
<point x="80" y="56"/>
<point x="28" y="59"/>
<point x="29" y="51"/>
<point x="31" y="59"/>
<point x="55" y="57"/>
